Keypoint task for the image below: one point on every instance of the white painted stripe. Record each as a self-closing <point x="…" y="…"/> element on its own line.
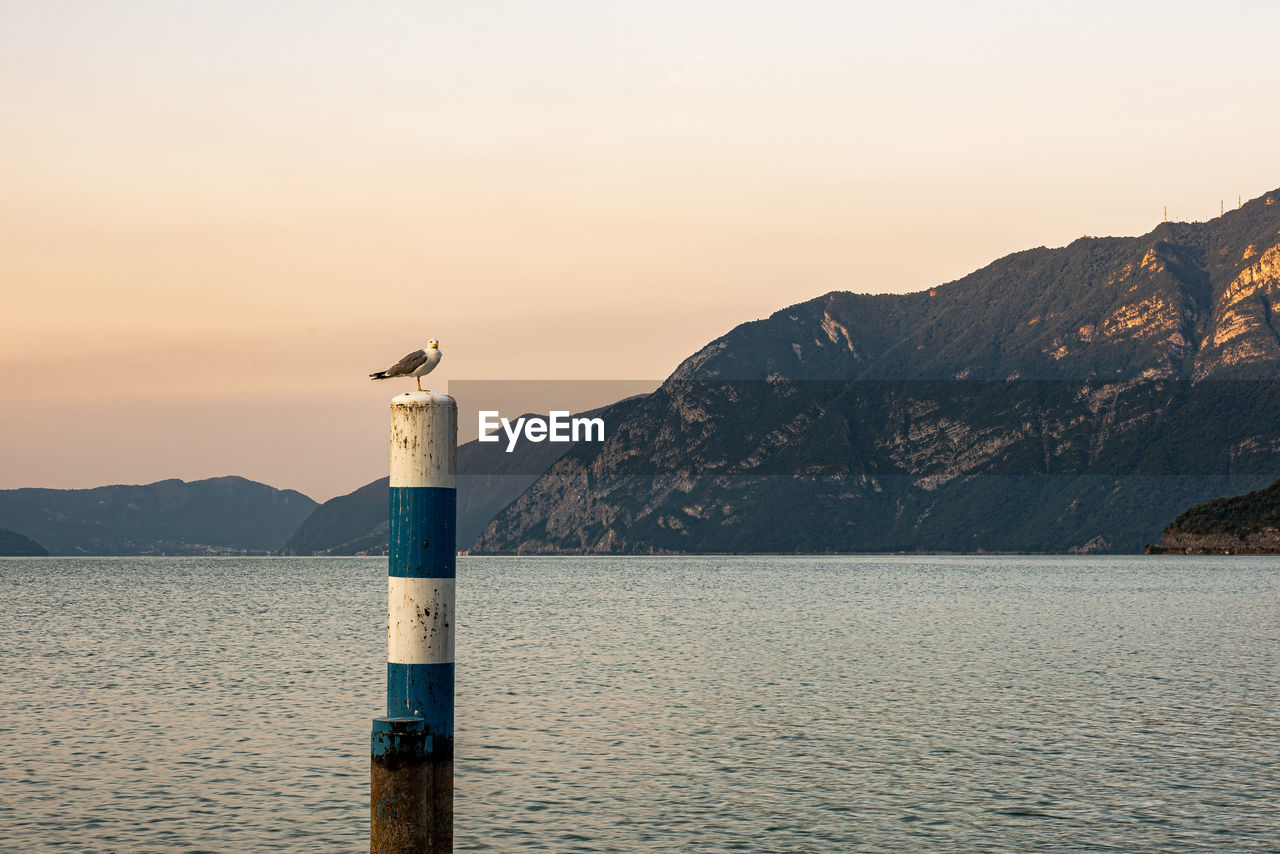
<point x="419" y="620"/>
<point x="424" y="440"/>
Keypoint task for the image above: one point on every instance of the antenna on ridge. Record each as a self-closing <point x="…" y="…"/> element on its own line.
<point x="1166" y="213"/>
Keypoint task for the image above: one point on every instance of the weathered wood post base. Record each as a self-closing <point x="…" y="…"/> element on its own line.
<point x="411" y="789"/>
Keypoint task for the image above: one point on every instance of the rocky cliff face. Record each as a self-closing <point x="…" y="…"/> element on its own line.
<point x="1264" y="542"/>
<point x="1067" y="399"/>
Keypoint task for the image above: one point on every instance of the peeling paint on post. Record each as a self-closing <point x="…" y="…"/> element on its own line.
<point x="411" y="781"/>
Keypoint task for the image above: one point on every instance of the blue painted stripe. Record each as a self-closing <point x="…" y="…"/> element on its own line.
<point x="402" y="739"/>
<point x="423" y="532"/>
<point x="423" y="691"/>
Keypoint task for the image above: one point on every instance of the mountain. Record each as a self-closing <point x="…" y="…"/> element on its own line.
<point x="1068" y="399"/>
<point x="218" y="515"/>
<point x="489" y="479"/>
<point x="13" y="544"/>
<point x="351" y="524"/>
<point x="1243" y="524"/>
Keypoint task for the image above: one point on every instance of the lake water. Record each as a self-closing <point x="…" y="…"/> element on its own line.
<point x="654" y="704"/>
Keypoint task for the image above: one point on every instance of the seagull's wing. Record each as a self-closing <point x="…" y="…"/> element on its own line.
<point x="407" y="365"/>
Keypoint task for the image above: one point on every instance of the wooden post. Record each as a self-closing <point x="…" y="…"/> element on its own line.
<point x="411" y="779"/>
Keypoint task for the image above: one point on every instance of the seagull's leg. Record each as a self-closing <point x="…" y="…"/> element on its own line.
<point x="419" y="379"/>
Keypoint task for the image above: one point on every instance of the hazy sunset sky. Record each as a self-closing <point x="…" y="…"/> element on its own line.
<point x="216" y="217"/>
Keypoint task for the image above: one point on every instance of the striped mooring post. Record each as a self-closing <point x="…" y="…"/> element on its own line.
<point x="411" y="779"/>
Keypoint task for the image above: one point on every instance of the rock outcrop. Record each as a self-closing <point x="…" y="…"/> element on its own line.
<point x="1241" y="525"/>
<point x="1264" y="542"/>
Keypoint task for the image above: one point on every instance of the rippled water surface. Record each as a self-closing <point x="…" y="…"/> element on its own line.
<point x="654" y="704"/>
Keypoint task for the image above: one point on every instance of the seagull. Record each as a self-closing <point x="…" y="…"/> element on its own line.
<point x="417" y="364"/>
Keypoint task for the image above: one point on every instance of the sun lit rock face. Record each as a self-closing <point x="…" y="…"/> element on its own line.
<point x="1056" y="350"/>
<point x="1086" y="332"/>
<point x="1261" y="276"/>
<point x="1235" y="323"/>
<point x="1123" y="273"/>
<point x="836" y="331"/>
<point x="1151" y="262"/>
<point x="1156" y="313"/>
<point x="697" y="511"/>
<point x="1155" y="316"/>
<point x="1242" y="331"/>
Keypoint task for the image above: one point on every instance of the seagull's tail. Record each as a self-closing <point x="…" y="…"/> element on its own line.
<point x="380" y="375"/>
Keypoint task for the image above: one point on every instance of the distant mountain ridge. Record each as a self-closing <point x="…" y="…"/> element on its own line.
<point x="217" y="515"/>
<point x="1055" y="400"/>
